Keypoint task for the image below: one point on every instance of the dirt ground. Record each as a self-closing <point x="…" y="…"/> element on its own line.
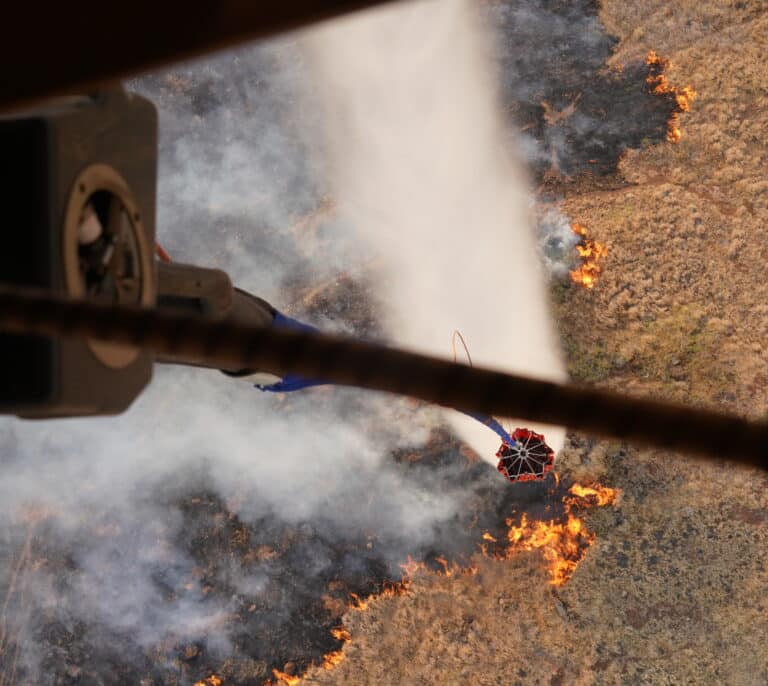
<point x="673" y="590"/>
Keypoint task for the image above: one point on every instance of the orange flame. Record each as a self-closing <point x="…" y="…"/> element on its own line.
<point x="660" y="85"/>
<point x="336" y="657"/>
<point x="212" y="680"/>
<point x="389" y="589"/>
<point x="287" y="679"/>
<point x="330" y="660"/>
<point x="341" y="634"/>
<point x="563" y="544"/>
<point x="411" y="567"/>
<point x="674" y="134"/>
<point x="357" y="603"/>
<point x="601" y="494"/>
<point x="591" y="252"/>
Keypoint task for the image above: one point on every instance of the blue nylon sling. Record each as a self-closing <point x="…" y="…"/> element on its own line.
<point x="294" y="382"/>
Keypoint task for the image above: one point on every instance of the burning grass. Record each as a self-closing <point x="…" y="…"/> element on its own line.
<point x="336" y="657"/>
<point x="659" y="84"/>
<point x="212" y="680"/>
<point x="330" y="660"/>
<point x="563" y="541"/>
<point x="592" y="253"/>
<point x="284" y="678"/>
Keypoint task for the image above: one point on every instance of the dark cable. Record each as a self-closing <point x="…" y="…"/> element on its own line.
<point x="367" y="365"/>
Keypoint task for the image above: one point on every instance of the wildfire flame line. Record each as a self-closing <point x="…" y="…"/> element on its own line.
<point x="330" y="660"/>
<point x="563" y="543"/>
<point x="212" y="680"/>
<point x="659" y="84"/>
<point x="284" y="678"/>
<point x="592" y="253"/>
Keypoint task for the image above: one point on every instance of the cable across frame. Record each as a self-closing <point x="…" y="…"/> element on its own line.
<point x="196" y="339"/>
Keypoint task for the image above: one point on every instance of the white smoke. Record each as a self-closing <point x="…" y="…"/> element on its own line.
<point x="423" y="174"/>
<point x="557" y="241"/>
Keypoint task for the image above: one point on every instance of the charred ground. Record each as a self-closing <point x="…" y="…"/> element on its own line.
<point x="579" y="113"/>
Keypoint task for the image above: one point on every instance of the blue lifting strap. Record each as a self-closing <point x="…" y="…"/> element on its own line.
<point x="290" y="382"/>
<point x="293" y="382"/>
